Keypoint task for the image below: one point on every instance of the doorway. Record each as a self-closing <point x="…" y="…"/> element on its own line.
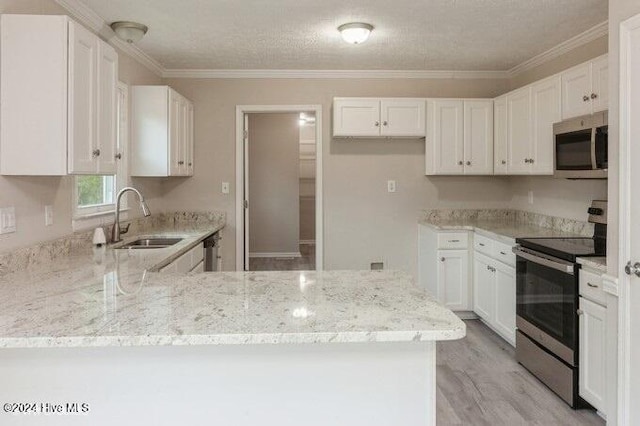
<point x="279" y="188"/>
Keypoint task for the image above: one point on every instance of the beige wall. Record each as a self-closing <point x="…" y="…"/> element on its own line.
<point x="29" y="195"/>
<point x="274" y="141"/>
<point x="363" y="223"/>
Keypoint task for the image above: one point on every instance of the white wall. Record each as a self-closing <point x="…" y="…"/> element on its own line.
<point x="29" y="195"/>
<point x="274" y="194"/>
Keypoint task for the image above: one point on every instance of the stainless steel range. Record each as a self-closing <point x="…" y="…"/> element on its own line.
<point x="547" y="304"/>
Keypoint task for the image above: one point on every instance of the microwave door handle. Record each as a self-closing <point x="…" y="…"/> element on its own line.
<point x="594" y="159"/>
<point x="567" y="268"/>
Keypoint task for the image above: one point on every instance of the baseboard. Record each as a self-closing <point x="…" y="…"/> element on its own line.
<point x="276" y="254"/>
<point x="466" y="315"/>
<point x="308" y="242"/>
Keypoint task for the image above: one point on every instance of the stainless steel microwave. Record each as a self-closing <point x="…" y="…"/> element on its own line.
<point x="581" y="147"/>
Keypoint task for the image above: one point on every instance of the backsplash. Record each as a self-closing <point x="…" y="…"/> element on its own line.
<point x="508" y="215"/>
<point x="81" y="242"/>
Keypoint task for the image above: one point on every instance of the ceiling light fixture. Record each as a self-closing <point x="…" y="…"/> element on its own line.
<point x="131" y="32"/>
<point x="355" y="32"/>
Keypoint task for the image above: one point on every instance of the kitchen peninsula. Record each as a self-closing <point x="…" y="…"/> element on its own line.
<point x="160" y="348"/>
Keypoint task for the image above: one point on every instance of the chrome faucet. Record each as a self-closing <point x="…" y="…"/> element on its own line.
<point x="116" y="231"/>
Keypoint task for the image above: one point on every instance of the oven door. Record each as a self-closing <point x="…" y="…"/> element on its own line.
<point x="547" y="302"/>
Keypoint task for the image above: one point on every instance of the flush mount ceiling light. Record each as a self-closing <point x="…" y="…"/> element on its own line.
<point x="355" y="32"/>
<point x="131" y="32"/>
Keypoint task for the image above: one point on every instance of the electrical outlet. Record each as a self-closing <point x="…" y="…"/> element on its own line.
<point x="7" y="220"/>
<point x="225" y="187"/>
<point x="530" y="197"/>
<point x="48" y="215"/>
<point x="391" y="186"/>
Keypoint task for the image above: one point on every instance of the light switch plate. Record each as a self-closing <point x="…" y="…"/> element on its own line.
<point x="48" y="215"/>
<point x="7" y="220"/>
<point x="225" y="187"/>
<point x="391" y="186"/>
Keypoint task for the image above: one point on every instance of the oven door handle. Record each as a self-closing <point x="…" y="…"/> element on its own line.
<point x="567" y="268"/>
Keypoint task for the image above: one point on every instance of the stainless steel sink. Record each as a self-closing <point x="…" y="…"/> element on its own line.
<point x="151" y="243"/>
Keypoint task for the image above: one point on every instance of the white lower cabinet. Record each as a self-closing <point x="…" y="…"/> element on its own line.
<point x="188" y="262"/>
<point x="494" y="287"/>
<point x="592" y="341"/>
<point x="443" y="267"/>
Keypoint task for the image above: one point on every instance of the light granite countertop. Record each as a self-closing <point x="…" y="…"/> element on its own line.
<point x="505" y="230"/>
<point x="114" y="298"/>
<point x="597" y="263"/>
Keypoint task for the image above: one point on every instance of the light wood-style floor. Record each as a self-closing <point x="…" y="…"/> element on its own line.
<point x="480" y="383"/>
<point x="305" y="263"/>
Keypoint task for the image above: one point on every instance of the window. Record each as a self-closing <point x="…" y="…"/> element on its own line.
<point x="95" y="194"/>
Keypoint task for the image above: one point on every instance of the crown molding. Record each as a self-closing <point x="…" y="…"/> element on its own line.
<point x="581" y="39"/>
<point x="317" y="74"/>
<point x="87" y="17"/>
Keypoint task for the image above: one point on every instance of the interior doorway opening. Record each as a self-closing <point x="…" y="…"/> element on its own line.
<point x="279" y="182"/>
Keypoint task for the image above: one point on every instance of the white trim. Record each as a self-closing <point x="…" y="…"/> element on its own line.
<point x="624" y="243"/>
<point x="610" y="285"/>
<point x="276" y="254"/>
<point x="241" y="110"/>
<point x="591" y="34"/>
<point x="330" y="74"/>
<point x="87" y="17"/>
<point x="307" y="242"/>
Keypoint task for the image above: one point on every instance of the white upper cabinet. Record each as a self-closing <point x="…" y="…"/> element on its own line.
<point x="500" y="150"/>
<point x="459" y="137"/>
<point x="478" y="137"/>
<point x="402" y="117"/>
<point x="162" y="132"/>
<point x="59" y="88"/>
<point x="519" y="131"/>
<point x="545" y="110"/>
<point x="585" y="88"/>
<point x="378" y="117"/>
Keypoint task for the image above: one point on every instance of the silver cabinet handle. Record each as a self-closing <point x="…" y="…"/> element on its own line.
<point x="180" y="163"/>
<point x="503" y="253"/>
<point x="118" y="156"/>
<point x="377" y="124"/>
<point x="454" y="241"/>
<point x="96" y="153"/>
<point x="585" y="98"/>
<point x="594" y="96"/>
<point x="481" y="244"/>
<point x="592" y="285"/>
<point x="526" y="160"/>
<point x="632" y="269"/>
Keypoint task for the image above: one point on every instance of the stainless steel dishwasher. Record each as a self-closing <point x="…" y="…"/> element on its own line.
<point x="211" y="245"/>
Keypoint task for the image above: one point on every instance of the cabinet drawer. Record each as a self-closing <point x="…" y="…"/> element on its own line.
<point x="504" y="253"/>
<point x="591" y="287"/>
<point x="483" y="244"/>
<point x="453" y="240"/>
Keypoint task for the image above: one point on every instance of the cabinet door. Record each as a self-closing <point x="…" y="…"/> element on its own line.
<point x="445" y="136"/>
<point x="107" y="108"/>
<point x="478" y="137"/>
<point x="403" y="117"/>
<point x="356" y="117"/>
<point x="592" y="328"/>
<point x="185" y="148"/>
<point x="500" y="136"/>
<point x="427" y="255"/>
<point x="190" y="139"/>
<point x="519" y="131"/>
<point x="600" y="84"/>
<point x="483" y="287"/>
<point x="175" y="134"/>
<point x="545" y="110"/>
<point x="576" y="91"/>
<point x="82" y="144"/>
<point x="505" y="313"/>
<point x="453" y="279"/>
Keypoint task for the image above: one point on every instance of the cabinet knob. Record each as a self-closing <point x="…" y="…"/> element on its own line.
<point x="585" y="98"/>
<point x="377" y="124"/>
<point x="504" y="161"/>
<point x="579" y="312"/>
<point x="180" y="163"/>
<point x="594" y="96"/>
<point x="442" y="259"/>
<point x="526" y="160"/>
<point x="385" y="123"/>
<point x="531" y="161"/>
<point x="190" y="164"/>
<point x="96" y="153"/>
<point x="468" y="163"/>
<point x="461" y="163"/>
<point x="118" y="156"/>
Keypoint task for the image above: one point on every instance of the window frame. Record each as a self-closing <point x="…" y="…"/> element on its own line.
<point x="122" y="177"/>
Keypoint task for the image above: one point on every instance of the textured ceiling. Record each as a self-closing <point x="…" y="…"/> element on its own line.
<point x="301" y="34"/>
